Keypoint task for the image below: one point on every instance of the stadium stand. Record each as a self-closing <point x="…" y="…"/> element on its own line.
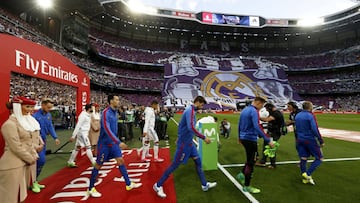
<point x="131" y="53"/>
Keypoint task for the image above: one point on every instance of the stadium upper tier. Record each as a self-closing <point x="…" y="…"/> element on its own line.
<point x="137" y="51"/>
<point x="123" y="77"/>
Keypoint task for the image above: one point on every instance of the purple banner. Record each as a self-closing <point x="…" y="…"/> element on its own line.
<point x="223" y="87"/>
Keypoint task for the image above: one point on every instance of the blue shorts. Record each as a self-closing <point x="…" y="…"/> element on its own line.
<point x="107" y="152"/>
<point x="307" y="148"/>
<point x="184" y="152"/>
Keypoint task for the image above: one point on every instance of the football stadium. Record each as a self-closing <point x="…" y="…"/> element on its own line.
<point x="118" y="95"/>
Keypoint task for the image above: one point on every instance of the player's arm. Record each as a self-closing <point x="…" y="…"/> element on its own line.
<point x="289" y="122"/>
<point x="52" y="130"/>
<point x="190" y="118"/>
<point x="147" y="122"/>
<point x="106" y="124"/>
<point x="258" y="128"/>
<point x="77" y="127"/>
<point x="315" y="129"/>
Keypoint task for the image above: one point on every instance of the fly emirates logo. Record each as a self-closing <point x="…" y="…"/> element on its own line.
<point x="24" y="60"/>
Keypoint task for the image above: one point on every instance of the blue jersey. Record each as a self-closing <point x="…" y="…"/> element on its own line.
<point x="46" y="125"/>
<point x="249" y="125"/>
<point x="186" y="130"/>
<point x="109" y="127"/>
<point x="306" y="127"/>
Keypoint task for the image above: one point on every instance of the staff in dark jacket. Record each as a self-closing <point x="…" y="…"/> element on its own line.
<point x="274" y="130"/>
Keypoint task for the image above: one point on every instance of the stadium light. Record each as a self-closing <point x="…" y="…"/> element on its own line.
<point x="307" y="22"/>
<point x="45" y="4"/>
<point x="137" y="7"/>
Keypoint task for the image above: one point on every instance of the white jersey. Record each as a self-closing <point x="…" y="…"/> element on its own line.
<point x="149" y="119"/>
<point x="227" y="125"/>
<point x="83" y="125"/>
<point x="207" y="119"/>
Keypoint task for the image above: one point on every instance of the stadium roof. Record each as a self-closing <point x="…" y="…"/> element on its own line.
<point x="267" y="9"/>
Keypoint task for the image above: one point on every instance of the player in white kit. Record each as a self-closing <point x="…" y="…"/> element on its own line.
<point x="81" y="133"/>
<point x="149" y="133"/>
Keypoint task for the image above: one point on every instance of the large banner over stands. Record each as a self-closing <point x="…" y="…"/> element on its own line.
<point x="223" y="87"/>
<point x="29" y="58"/>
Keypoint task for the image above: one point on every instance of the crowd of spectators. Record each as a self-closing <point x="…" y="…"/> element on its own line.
<point x="341" y="81"/>
<point x="345" y="103"/>
<point x="131" y="51"/>
<point x="127" y="50"/>
<point x="22" y="85"/>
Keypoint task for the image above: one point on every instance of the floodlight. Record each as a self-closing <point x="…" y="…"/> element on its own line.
<point x="45" y="4"/>
<point x="137" y="7"/>
<point x="310" y="21"/>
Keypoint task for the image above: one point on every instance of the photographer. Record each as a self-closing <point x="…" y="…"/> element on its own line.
<point x="163" y="117"/>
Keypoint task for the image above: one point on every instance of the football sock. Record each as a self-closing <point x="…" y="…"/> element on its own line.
<point x="145" y="150"/>
<point x="303" y="165"/>
<point x="124" y="173"/>
<point x="156" y="150"/>
<point x="313" y="166"/>
<point x="73" y="155"/>
<point x="199" y="171"/>
<point x="247" y="171"/>
<point x="89" y="154"/>
<point x="93" y="177"/>
<point x="167" y="173"/>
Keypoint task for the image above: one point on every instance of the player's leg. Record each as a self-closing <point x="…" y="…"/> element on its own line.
<point x="85" y="142"/>
<point x="117" y="154"/>
<point x="102" y="155"/>
<point x="262" y="161"/>
<point x="276" y="138"/>
<point x="139" y="150"/>
<point x="41" y="161"/>
<point x="181" y="154"/>
<point x="145" y="149"/>
<point x="315" y="151"/>
<point x="74" y="153"/>
<point x="198" y="166"/>
<point x="251" y="149"/>
<point x="153" y="135"/>
<point x="303" y="155"/>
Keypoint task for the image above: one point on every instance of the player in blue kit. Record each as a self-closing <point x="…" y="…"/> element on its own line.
<point x="43" y="116"/>
<point x="185" y="148"/>
<point x="249" y="129"/>
<point x="308" y="141"/>
<point x="109" y="146"/>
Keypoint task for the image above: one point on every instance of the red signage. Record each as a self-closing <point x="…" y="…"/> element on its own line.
<point x="207" y="17"/>
<point x="29" y="58"/>
<point x="184" y="14"/>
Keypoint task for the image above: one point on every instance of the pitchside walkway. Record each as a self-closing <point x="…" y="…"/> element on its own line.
<point x="70" y="184"/>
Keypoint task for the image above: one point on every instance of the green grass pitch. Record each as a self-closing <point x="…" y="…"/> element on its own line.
<point x="335" y="181"/>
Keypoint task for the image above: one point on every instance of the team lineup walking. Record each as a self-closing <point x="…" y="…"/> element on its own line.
<point x="179" y="101"/>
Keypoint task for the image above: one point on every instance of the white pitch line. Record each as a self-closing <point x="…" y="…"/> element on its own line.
<point x="229" y="176"/>
<point x="295" y="162"/>
<point x="174" y="121"/>
<point x="236" y="183"/>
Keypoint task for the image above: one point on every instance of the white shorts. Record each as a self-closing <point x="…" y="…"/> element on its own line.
<point x="82" y="139"/>
<point x="152" y="135"/>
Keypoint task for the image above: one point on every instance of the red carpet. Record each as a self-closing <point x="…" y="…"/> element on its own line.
<point x="70" y="184"/>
